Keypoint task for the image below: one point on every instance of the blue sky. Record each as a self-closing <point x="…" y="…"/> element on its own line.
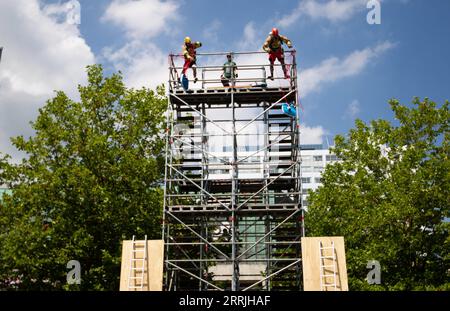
<point x="348" y="68"/>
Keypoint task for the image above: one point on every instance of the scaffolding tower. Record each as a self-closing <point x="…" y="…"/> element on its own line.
<point x="233" y="216"/>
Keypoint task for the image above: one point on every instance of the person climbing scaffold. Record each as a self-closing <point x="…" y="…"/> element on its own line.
<point x="274" y="46"/>
<point x="189" y="53"/>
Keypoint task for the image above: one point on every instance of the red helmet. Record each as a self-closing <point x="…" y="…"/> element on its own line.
<point x="275" y="32"/>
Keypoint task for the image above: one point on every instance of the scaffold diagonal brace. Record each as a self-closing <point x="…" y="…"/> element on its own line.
<point x="203" y="115"/>
<point x="195" y="276"/>
<point x="273" y="274"/>
<point x="191" y="181"/>
<point x="255" y="118"/>
<point x="198" y="148"/>
<point x="265" y="187"/>
<point x="264" y="236"/>
<point x="197" y="234"/>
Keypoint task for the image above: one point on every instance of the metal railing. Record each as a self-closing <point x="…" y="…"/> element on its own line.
<point x="257" y="71"/>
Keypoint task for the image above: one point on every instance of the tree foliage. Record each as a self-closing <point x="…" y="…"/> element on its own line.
<point x="91" y="178"/>
<point x="388" y="197"/>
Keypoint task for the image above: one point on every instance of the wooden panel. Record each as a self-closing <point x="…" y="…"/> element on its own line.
<point x="125" y="265"/>
<point x="311" y="263"/>
<point x="153" y="274"/>
<point x="155" y="264"/>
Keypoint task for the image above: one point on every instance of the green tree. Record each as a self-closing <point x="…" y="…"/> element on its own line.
<point x="91" y="178"/>
<point x="388" y="197"/>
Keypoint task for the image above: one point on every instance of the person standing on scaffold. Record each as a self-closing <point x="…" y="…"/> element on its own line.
<point x="189" y="53"/>
<point x="229" y="72"/>
<point x="274" y="46"/>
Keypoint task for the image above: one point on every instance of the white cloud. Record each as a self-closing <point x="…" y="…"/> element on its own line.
<point x="211" y="31"/>
<point x="69" y="11"/>
<point x="142" y="64"/>
<point x="333" y="68"/>
<point x="143" y="18"/>
<point x="332" y="10"/>
<point x="312" y="135"/>
<point x="250" y="38"/>
<point x="353" y="109"/>
<point x="41" y="53"/>
<point x="141" y="61"/>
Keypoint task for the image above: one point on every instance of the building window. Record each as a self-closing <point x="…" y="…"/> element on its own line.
<point x="318" y="169"/>
<point x="332" y="157"/>
<point x="306" y="180"/>
<point x="306" y="158"/>
<point x="317" y="158"/>
<point x="317" y="180"/>
<point x="307" y="169"/>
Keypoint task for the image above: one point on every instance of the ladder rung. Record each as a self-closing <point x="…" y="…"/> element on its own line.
<point x="137" y="268"/>
<point x="327" y="266"/>
<point x="138" y="250"/>
<point x="327" y="257"/>
<point x="135" y="286"/>
<point x="136" y="259"/>
<point x="327" y="247"/>
<point x="328" y="275"/>
<point x="329" y="285"/>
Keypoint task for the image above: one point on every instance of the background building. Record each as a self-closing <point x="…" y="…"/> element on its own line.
<point x="314" y="160"/>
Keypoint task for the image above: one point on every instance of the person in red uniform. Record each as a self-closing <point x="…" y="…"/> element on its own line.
<point x="274" y="46"/>
<point x="189" y="54"/>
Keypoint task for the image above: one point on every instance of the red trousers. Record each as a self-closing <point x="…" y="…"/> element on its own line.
<point x="187" y="64"/>
<point x="278" y="54"/>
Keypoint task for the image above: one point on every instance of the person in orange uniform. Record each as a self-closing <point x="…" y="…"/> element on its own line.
<point x="189" y="53"/>
<point x="274" y="46"/>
